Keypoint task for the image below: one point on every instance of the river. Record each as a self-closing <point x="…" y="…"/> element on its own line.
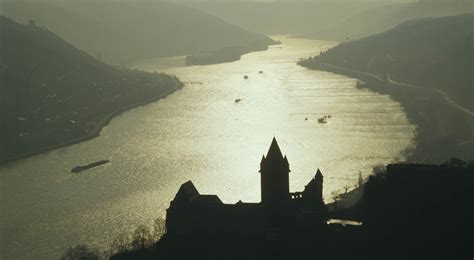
<point x="201" y="134"/>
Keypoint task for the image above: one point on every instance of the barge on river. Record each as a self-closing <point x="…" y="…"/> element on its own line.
<point x="79" y="169"/>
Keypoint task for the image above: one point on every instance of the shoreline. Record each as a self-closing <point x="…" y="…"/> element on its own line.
<point x="413" y="100"/>
<point x="95" y="132"/>
<point x="429" y="110"/>
<point x="223" y="55"/>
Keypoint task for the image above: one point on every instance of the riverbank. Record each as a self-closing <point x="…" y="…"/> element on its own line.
<point x="98" y="125"/>
<point x="432" y="112"/>
<point x="444" y="129"/>
<point x="224" y="55"/>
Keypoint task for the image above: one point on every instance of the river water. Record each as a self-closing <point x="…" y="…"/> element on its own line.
<point x="201" y="134"/>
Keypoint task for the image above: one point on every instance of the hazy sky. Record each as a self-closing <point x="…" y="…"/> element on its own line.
<point x="290" y="0"/>
<point x="242" y="1"/>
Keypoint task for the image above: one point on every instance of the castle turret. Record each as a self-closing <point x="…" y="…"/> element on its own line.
<point x="313" y="192"/>
<point x="274" y="176"/>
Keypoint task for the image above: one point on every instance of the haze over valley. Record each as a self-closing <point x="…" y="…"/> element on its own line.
<point x="290" y="129"/>
<point x="120" y="32"/>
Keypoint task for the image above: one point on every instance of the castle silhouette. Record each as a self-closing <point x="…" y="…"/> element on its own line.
<point x="279" y="213"/>
<point x="402" y="211"/>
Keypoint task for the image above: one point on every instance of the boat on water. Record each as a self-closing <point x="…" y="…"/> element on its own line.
<point x="237" y="100"/>
<point x="246" y="77"/>
<point x="81" y="168"/>
<point x="322" y="120"/>
<point x="360" y="84"/>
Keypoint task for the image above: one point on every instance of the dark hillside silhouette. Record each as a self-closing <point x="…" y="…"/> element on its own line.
<point x="433" y="53"/>
<point x="53" y="94"/>
<point x="123" y="32"/>
<point x="422" y="211"/>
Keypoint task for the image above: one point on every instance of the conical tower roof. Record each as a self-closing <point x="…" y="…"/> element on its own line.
<point x="317" y="178"/>
<point x="319" y="175"/>
<point x="187" y="192"/>
<point x="274" y="153"/>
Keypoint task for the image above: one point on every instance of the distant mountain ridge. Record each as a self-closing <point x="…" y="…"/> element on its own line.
<point x="381" y="18"/>
<point x="429" y="52"/>
<point x="120" y="32"/>
<point x="290" y="17"/>
<point x="52" y="93"/>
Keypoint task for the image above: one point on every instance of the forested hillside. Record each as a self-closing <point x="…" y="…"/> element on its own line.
<point x="52" y="93"/>
<point x="430" y="52"/>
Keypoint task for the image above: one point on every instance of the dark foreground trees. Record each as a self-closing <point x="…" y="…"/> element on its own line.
<point x="80" y="252"/>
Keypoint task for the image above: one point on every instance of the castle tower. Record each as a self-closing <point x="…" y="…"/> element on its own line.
<point x="313" y="192"/>
<point x="274" y="176"/>
<point x="318" y="178"/>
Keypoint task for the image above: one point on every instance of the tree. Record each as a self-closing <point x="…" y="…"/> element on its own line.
<point x="141" y="237"/>
<point x="159" y="228"/>
<point x="335" y="197"/>
<point x="346" y="188"/>
<point x="80" y="252"/>
<point x="120" y="245"/>
<point x="379" y="169"/>
<point x="360" y="182"/>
